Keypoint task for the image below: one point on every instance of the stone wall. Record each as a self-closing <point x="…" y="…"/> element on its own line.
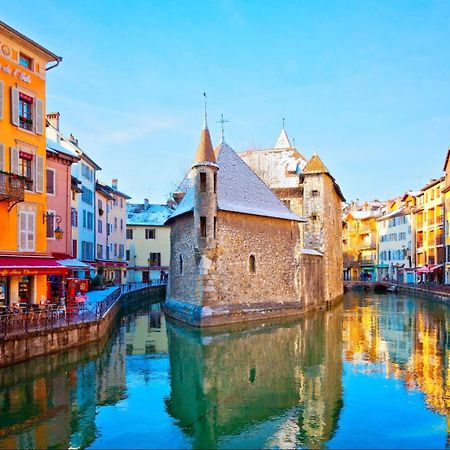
<point x="182" y="281"/>
<point x="322" y="208"/>
<point x="272" y="242"/>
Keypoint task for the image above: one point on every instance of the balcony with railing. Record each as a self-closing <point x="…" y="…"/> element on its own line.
<point x="12" y="187"/>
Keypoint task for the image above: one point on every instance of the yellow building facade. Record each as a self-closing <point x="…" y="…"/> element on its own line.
<point x="446" y="200"/>
<point x="24" y="264"/>
<point x="429" y="228"/>
<point x="360" y="243"/>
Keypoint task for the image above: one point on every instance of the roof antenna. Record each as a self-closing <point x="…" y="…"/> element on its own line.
<point x="205" y="125"/>
<point x="222" y="121"/>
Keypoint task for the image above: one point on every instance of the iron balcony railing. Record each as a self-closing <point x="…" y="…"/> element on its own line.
<point x="17" y="321"/>
<point x="12" y="187"/>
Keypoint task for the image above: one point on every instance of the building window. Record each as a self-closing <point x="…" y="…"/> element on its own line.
<point x="115" y="249"/>
<point x="252" y="264"/>
<point x="181" y="264"/>
<point x="287" y="203"/>
<point x="215" y="182"/>
<point x="25" y="112"/>
<point x="99" y="251"/>
<point x="87" y="172"/>
<point x="87" y="195"/>
<point x="202" y="226"/>
<point x="25" y="61"/>
<point x="128" y="255"/>
<point x="26" y="169"/>
<point x="155" y="260"/>
<point x="150" y="233"/>
<point x="314" y="217"/>
<point x="202" y="182"/>
<point x="50" y="181"/>
<point x="121" y="250"/>
<point x="215" y="227"/>
<point x="315" y="193"/>
<point x="100" y="226"/>
<point x="121" y="202"/>
<point x="50" y="221"/>
<point x="121" y="224"/>
<point x="129" y="233"/>
<point x="74" y="217"/>
<point x="90" y="221"/>
<point x="115" y="223"/>
<point x="74" y="248"/>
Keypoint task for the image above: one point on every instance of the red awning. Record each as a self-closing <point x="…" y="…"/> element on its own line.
<point x="435" y="267"/>
<point x="423" y="269"/>
<point x="25" y="266"/>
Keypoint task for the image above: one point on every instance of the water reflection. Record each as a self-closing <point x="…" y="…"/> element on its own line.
<point x="312" y="382"/>
<point x="276" y="386"/>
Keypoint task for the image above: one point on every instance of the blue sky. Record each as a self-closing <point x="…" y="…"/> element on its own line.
<point x="365" y="83"/>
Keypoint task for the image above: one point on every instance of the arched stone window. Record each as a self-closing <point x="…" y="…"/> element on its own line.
<point x="181" y="264"/>
<point x="252" y="264"/>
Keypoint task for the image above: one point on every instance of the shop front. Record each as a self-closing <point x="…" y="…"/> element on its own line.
<point x="23" y="280"/>
<point x="112" y="272"/>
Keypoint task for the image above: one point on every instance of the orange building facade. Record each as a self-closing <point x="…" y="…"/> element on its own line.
<point x="24" y="261"/>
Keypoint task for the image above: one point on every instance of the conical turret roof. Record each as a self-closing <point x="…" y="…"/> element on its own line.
<point x="315" y="165"/>
<point x="205" y="153"/>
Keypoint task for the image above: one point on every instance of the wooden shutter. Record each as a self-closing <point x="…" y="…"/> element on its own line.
<point x="2" y="157"/>
<point x="15" y="106"/>
<point x="50" y="182"/>
<point x="39" y="116"/>
<point x="14" y="160"/>
<point x="2" y="96"/>
<point x="39" y="168"/>
<point x="23" y="231"/>
<point x="31" y="231"/>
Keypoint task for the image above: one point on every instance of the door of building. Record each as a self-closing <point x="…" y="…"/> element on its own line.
<point x="145" y="276"/>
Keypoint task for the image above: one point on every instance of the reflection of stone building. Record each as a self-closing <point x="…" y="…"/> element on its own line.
<point x="257" y="387"/>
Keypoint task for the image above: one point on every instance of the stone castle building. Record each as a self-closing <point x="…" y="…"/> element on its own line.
<point x="309" y="190"/>
<point x="236" y="248"/>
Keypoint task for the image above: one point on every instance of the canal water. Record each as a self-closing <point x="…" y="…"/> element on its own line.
<point x="372" y="373"/>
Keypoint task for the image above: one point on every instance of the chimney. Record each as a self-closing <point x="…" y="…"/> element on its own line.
<point x="145" y="204"/>
<point x="73" y="139"/>
<point x="114" y="183"/>
<point x="53" y="119"/>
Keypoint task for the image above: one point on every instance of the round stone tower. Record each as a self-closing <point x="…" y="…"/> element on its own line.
<point x="205" y="203"/>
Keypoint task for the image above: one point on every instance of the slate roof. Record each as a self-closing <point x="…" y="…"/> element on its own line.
<point x="240" y="190"/>
<point x="155" y="215"/>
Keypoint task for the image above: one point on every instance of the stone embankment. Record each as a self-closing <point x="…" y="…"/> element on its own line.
<point x="45" y="334"/>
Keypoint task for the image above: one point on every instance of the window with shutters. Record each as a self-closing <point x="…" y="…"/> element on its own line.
<point x="90" y="221"/>
<point x="27" y="231"/>
<point x="25" y="111"/>
<point x="51" y="181"/>
<point x="87" y="195"/>
<point x="26" y="169"/>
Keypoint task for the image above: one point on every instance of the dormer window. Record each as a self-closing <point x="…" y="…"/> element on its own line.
<point x="25" y="61"/>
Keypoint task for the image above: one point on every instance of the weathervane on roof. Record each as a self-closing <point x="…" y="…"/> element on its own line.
<point x="222" y="121"/>
<point x="206" y="114"/>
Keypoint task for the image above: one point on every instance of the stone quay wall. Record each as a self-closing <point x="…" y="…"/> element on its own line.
<point x="18" y="348"/>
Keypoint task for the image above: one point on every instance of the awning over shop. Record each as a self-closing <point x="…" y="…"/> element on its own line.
<point x="110" y="264"/>
<point x="75" y="264"/>
<point x="430" y="268"/>
<point x="28" y="265"/>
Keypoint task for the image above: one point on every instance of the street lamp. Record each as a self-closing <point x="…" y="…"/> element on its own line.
<point x="57" y="232"/>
